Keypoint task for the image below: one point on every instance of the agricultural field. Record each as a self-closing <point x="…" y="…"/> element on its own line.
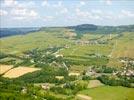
<point x="109" y="93"/>
<point x="17" y="72"/>
<point x="115" y="48"/>
<point x="66" y="49"/>
<point x="86" y="67"/>
<point x="5" y="68"/>
<point x="21" y="43"/>
<point x="124" y="46"/>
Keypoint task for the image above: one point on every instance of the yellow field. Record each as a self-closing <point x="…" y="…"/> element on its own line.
<point x="4" y="68"/>
<point x="19" y="71"/>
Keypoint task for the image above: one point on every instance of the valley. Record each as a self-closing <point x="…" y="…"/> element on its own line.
<point x="68" y="63"/>
<point x="66" y="49"/>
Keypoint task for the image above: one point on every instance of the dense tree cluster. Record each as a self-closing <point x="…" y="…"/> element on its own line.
<point x="47" y="74"/>
<point x="70" y="88"/>
<point x="105" y="69"/>
<point x="116" y="81"/>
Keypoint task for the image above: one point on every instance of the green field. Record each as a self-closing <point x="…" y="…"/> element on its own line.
<point x="110" y="93"/>
<point x="21" y="43"/>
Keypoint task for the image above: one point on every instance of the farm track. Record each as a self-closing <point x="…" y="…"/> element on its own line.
<point x="83" y="97"/>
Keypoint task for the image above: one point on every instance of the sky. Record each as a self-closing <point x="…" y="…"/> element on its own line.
<point x="38" y="13"/>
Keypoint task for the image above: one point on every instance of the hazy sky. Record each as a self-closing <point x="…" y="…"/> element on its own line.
<point x="30" y="13"/>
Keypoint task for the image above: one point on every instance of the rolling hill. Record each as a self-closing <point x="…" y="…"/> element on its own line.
<point x="4" y="32"/>
<point x="115" y="44"/>
<point x="59" y="63"/>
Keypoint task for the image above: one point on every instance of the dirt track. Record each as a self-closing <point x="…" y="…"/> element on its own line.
<point x="83" y="97"/>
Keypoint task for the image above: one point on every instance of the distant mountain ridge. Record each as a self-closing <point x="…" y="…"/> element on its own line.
<point x="79" y="29"/>
<point x="4" y="32"/>
<point x="85" y="28"/>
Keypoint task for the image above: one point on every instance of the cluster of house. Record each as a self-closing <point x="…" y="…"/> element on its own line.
<point x="125" y="72"/>
<point x="92" y="73"/>
<point x="45" y="86"/>
<point x="86" y="42"/>
<point x="126" y="61"/>
<point x="90" y="42"/>
<point x="24" y="90"/>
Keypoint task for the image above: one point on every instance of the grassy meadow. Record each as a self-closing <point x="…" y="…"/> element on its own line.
<point x="109" y="93"/>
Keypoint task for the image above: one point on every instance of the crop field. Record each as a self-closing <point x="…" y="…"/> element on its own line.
<point x="42" y="39"/>
<point x="124" y="46"/>
<point x="21" y="43"/>
<point x="91" y="36"/>
<point x="19" y="71"/>
<point x="77" y="68"/>
<point x="86" y="49"/>
<point x="114" y="62"/>
<point x="66" y="50"/>
<point x="109" y="93"/>
<point x="4" y="68"/>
